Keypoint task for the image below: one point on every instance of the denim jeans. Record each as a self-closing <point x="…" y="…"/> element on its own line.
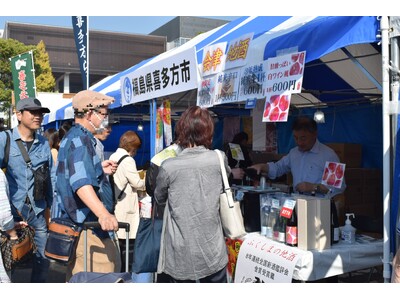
<point x="41" y="264"/>
<point x="142" y="277"/>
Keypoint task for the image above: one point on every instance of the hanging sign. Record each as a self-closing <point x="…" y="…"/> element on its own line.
<point x="23" y="74"/>
<point x="172" y="75"/>
<point x="285" y="73"/>
<point x="213" y="59"/>
<point x="236" y="55"/>
<point x="276" y="108"/>
<point x="166" y="117"/>
<point x="159" y="130"/>
<point x="81" y="43"/>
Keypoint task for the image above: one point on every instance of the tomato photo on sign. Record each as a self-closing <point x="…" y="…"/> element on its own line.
<point x="332" y="166"/>
<point x="284" y="102"/>
<point x="267" y="109"/>
<point x="295" y="57"/>
<point x="339" y="171"/>
<point x="332" y="179"/>
<point x="283" y="116"/>
<point x="295" y="69"/>
<point x="274" y="116"/>
<point x="301" y="59"/>
<point x="338" y="183"/>
<point x="275" y="100"/>
<point x="325" y="176"/>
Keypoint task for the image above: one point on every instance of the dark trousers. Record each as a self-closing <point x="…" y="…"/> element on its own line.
<point x="218" y="277"/>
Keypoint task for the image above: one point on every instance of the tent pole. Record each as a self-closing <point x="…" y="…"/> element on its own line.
<point x="153" y="119"/>
<point x="395" y="75"/>
<point x="386" y="146"/>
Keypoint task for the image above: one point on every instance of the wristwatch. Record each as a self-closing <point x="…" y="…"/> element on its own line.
<point x="317" y="189"/>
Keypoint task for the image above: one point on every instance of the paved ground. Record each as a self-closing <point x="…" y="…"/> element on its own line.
<point x="56" y="273"/>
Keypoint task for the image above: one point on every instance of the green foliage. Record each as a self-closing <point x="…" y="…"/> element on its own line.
<point x="45" y="81"/>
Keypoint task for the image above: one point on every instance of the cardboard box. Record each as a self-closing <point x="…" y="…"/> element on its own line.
<point x="349" y="154"/>
<point x="314" y="223"/>
<point x="363" y="192"/>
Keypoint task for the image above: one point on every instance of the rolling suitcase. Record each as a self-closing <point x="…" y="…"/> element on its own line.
<point x="96" y="277"/>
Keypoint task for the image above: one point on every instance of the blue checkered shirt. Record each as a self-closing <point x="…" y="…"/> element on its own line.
<point x="78" y="165"/>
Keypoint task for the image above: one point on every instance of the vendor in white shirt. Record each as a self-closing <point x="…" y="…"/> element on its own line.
<point x="306" y="162"/>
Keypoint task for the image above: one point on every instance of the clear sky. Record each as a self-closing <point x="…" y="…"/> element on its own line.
<point x="147" y="15"/>
<point x="131" y="24"/>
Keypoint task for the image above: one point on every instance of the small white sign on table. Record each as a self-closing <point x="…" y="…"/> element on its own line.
<point x="262" y="260"/>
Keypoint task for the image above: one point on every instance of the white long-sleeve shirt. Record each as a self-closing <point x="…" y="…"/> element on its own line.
<point x="306" y="166"/>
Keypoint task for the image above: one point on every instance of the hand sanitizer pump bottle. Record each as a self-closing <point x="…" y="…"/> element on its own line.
<point x="348" y="231"/>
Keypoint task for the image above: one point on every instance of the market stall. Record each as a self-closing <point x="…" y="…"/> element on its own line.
<point x="341" y="54"/>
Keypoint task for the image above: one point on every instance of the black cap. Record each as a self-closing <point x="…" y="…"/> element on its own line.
<point x="31" y="104"/>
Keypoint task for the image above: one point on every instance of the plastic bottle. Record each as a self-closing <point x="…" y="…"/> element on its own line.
<point x="263" y="183"/>
<point x="348" y="231"/>
<point x="273" y="214"/>
<point x="265" y="207"/>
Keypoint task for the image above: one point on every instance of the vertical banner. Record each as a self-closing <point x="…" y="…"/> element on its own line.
<point x="23" y="74"/>
<point x="159" y="130"/>
<point x="79" y="25"/>
<point x="167" y="122"/>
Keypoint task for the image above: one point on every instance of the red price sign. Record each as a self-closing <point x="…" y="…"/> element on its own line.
<point x="287" y="208"/>
<point x="286" y="212"/>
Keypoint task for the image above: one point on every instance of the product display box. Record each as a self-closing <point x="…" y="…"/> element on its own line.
<point x="314" y="222"/>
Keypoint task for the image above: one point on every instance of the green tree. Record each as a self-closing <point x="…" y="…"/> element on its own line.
<point x="45" y="81"/>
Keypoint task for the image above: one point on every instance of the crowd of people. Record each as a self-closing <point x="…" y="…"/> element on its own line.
<point x="84" y="186"/>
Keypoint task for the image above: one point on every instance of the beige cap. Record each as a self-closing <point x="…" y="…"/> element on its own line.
<point x="87" y="100"/>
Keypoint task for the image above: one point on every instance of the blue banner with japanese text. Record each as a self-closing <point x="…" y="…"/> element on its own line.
<point x="79" y="25"/>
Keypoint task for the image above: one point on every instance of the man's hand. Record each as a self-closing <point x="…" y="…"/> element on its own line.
<point x="108" y="222"/>
<point x="237" y="173"/>
<point x="308" y="187"/>
<point x="109" y="167"/>
<point x="305" y="187"/>
<point x="260" y="168"/>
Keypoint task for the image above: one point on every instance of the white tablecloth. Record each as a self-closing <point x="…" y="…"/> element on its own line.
<point x="339" y="259"/>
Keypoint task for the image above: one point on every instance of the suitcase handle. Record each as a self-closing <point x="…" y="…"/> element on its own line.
<point x="95" y="224"/>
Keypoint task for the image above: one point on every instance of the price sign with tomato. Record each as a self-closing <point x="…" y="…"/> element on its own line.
<point x="333" y="174"/>
<point x="276" y="108"/>
<point x="287" y="208"/>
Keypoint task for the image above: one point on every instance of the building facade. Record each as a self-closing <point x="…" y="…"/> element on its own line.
<point x="181" y="29"/>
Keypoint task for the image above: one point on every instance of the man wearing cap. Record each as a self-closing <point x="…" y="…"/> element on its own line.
<point x="82" y="186"/>
<point x="20" y="176"/>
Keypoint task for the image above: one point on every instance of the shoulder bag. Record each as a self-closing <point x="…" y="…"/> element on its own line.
<point x="229" y="209"/>
<point x="20" y="250"/>
<point x="62" y="240"/>
<point x="112" y="183"/>
<point x="147" y="243"/>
